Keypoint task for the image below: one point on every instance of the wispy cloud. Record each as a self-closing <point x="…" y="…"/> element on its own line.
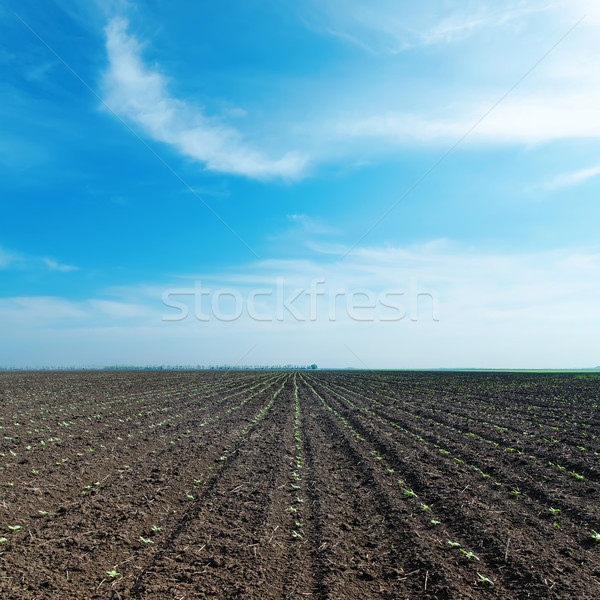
<point x="6" y="258"/>
<point x="522" y="119"/>
<point x="486" y="300"/>
<point x="388" y="27"/>
<point x="140" y="93"/>
<point x="55" y="266"/>
<point x="571" y="179"/>
<point x="19" y="260"/>
<point x="556" y="100"/>
<point x="525" y="309"/>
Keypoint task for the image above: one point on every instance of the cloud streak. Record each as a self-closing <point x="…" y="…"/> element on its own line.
<point x="522" y="119"/>
<point x="388" y="27"/>
<point x="140" y="94"/>
<point x="495" y="309"/>
<point x="55" y="266"/>
<point x="571" y="179"/>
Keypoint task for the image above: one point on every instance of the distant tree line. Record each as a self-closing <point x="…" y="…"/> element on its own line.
<point x="166" y="368"/>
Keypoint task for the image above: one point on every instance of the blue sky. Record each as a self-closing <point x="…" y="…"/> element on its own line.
<point x="443" y="158"/>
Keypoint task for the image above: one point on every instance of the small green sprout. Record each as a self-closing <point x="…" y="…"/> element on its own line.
<point x="43" y="512"/>
<point x="576" y="475"/>
<point x="295" y="534"/>
<point x="483" y="580"/>
<point x="554" y="511"/>
<point x="189" y="496"/>
<point x="155" y="528"/>
<point x="435" y="523"/>
<point x="453" y="544"/>
<point x="425" y="507"/>
<point x="14" y="527"/>
<point x="595" y="536"/>
<point x="113" y="574"/>
<point x="146" y="540"/>
<point x="468" y="555"/>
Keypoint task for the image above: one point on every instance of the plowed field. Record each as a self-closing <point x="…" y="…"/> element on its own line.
<point x="309" y="484"/>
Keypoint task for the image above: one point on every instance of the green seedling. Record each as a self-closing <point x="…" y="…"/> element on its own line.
<point x="409" y="494"/>
<point x="295" y="534"/>
<point x="43" y="512"/>
<point x="189" y="496"/>
<point x="435" y="523"/>
<point x="453" y="544"/>
<point x="155" y="528"/>
<point x="425" y="507"/>
<point x="595" y="537"/>
<point x="113" y="574"/>
<point x="468" y="555"/>
<point x="554" y="511"/>
<point x="14" y="527"/>
<point x="576" y="475"/>
<point x="481" y="580"/>
<point x="3" y="540"/>
<point x="146" y="540"/>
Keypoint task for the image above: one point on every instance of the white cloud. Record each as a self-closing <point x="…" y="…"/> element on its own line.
<point x="120" y="310"/>
<point x="5" y="258"/>
<point x="55" y="266"/>
<point x="528" y="309"/>
<point x="571" y="179"/>
<point x="556" y="100"/>
<point x="386" y="26"/>
<point x="36" y="311"/>
<point x="22" y="261"/>
<point x="520" y="119"/>
<point x="140" y="93"/>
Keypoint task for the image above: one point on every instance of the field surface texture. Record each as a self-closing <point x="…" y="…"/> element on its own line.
<point x="309" y="484"/>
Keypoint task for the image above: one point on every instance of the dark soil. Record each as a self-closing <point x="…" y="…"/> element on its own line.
<point x="323" y="485"/>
